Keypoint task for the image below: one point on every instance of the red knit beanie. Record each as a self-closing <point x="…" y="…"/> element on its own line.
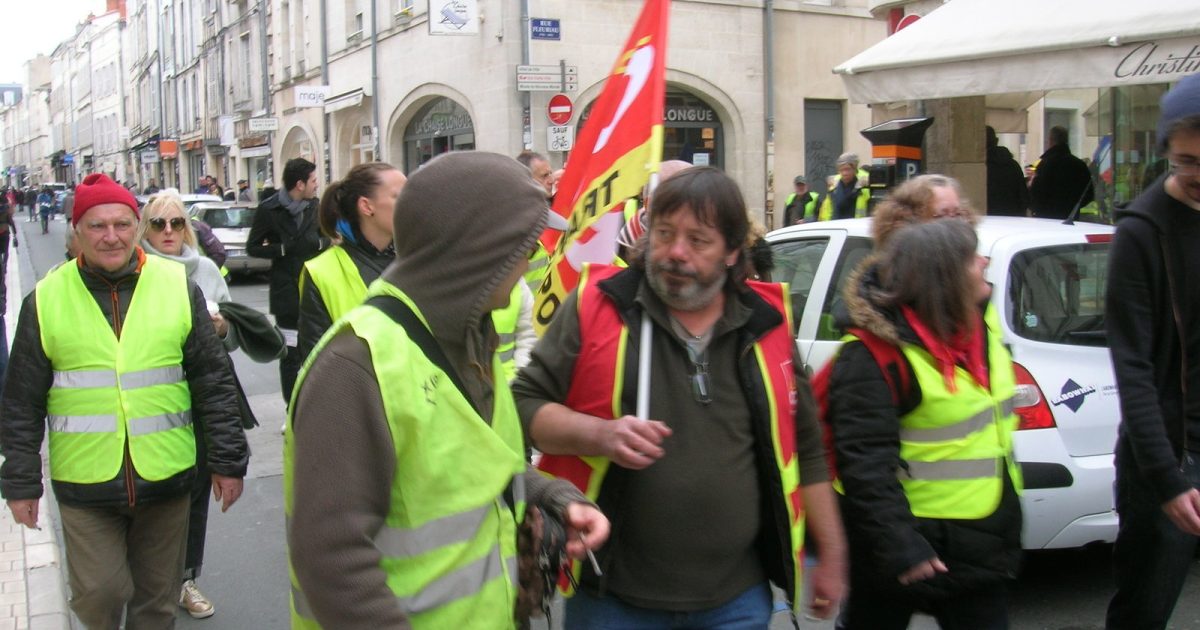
<point x="97" y="189"/>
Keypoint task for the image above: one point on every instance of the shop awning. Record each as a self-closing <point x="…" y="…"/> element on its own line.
<point x="353" y="98"/>
<point x="981" y="47"/>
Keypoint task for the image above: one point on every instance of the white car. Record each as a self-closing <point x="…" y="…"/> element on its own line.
<point x="1048" y="284"/>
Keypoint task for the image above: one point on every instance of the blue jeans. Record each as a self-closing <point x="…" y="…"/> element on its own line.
<point x="749" y="611"/>
<point x="1152" y="555"/>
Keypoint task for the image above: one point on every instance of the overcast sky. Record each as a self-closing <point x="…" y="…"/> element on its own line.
<point x="37" y="26"/>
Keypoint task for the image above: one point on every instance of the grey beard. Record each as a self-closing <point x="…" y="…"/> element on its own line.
<point x="693" y="297"/>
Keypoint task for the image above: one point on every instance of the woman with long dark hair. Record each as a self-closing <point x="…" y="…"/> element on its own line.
<point x="920" y="407"/>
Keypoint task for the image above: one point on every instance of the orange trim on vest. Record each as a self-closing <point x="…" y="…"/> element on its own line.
<point x="895" y="151"/>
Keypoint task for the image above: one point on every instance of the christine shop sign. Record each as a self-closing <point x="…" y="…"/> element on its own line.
<point x="1151" y="60"/>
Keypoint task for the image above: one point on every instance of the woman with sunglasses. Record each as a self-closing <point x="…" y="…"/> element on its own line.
<point x="920" y="407"/>
<point x="165" y="231"/>
<point x="356" y="212"/>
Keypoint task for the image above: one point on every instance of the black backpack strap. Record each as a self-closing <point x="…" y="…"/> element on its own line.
<point x="400" y="313"/>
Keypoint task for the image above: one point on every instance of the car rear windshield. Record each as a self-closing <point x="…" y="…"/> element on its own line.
<point x="1056" y="294"/>
<point x="229" y="217"/>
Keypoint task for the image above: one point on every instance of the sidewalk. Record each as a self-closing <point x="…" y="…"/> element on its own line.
<point x="33" y="593"/>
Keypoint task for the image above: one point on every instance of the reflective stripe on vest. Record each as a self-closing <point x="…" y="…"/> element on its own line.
<point x="448" y="543"/>
<point x="597" y="383"/>
<point x="109" y="393"/>
<point x="505" y="322"/>
<point x="334" y="274"/>
<point x="539" y="265"/>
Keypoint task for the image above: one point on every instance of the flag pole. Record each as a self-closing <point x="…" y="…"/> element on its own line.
<point x="647" y="337"/>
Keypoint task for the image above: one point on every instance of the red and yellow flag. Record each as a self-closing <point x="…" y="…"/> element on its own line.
<point x="616" y="152"/>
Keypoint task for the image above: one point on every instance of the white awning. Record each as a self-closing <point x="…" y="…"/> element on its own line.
<point x="353" y="98"/>
<point x="981" y="47"/>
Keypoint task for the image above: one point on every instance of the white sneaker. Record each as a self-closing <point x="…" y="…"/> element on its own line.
<point x="193" y="601"/>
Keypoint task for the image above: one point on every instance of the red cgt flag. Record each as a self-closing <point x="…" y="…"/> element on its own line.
<point x="616" y="152"/>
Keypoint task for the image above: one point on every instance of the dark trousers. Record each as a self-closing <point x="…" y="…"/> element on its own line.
<point x="868" y="609"/>
<point x="125" y="560"/>
<point x="198" y="510"/>
<point x="1152" y="555"/>
<point x="289" y="369"/>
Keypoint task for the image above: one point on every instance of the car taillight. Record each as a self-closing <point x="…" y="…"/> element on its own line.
<point x="1098" y="238"/>
<point x="1028" y="402"/>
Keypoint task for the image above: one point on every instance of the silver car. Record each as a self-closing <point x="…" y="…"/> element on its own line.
<point x="230" y="222"/>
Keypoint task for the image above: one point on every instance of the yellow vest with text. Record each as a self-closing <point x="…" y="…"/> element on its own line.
<point x="505" y="321"/>
<point x="956" y="445"/>
<point x="110" y="393"/>
<point x="449" y="539"/>
<point x="334" y="274"/>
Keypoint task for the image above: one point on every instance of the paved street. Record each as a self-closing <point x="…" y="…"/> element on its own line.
<point x="245" y="571"/>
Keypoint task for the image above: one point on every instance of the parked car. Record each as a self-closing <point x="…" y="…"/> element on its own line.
<point x="1048" y="286"/>
<point x="231" y="223"/>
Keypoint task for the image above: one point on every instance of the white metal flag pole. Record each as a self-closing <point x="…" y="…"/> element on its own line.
<point x="647" y="336"/>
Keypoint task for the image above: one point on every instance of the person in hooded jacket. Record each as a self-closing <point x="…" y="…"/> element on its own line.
<point x="404" y="466"/>
<point x="1007" y="194"/>
<point x="1152" y="318"/>
<point x="929" y="481"/>
<point x="356" y="213"/>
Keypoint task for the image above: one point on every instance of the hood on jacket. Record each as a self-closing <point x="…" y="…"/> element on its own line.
<point x="866" y="303"/>
<point x="999" y="155"/>
<point x="463" y="222"/>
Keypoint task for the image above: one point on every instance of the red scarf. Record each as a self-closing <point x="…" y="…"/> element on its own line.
<point x="965" y="349"/>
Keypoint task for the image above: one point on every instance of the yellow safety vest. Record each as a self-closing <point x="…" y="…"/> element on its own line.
<point x="956" y="445"/>
<point x="505" y="321"/>
<point x="449" y="539"/>
<point x="337" y="278"/>
<point x="108" y="392"/>
<point x="810" y="207"/>
<point x="860" y="203"/>
<point x="539" y="266"/>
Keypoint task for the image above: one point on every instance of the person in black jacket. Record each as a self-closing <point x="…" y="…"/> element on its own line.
<point x="1151" y="319"/>
<point x="124" y="535"/>
<point x="1061" y="182"/>
<point x="916" y="545"/>
<point x="285" y="230"/>
<point x="357" y="211"/>
<point x="1007" y="194"/>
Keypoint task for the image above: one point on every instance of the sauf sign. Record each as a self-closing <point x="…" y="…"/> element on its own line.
<point x="311" y="95"/>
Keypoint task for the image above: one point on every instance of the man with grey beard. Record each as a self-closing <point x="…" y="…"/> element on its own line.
<point x="705" y="495"/>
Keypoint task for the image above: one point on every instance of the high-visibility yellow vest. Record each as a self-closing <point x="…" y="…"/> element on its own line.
<point x="810" y="206"/>
<point x="955" y="446"/>
<point x="505" y="320"/>
<point x="110" y="392"/>
<point x="860" y="202"/>
<point x="449" y="539"/>
<point x="335" y="275"/>
<point x="539" y="266"/>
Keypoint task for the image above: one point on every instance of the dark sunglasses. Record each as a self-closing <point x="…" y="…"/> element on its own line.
<point x="159" y="224"/>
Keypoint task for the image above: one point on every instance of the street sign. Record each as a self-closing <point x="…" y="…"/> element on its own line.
<point x="311" y="95"/>
<point x="547" y="78"/>
<point x="541" y="28"/>
<point x="262" y="124"/>
<point x="560" y="109"/>
<point x="560" y="138"/>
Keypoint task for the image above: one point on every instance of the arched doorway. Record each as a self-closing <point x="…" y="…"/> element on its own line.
<point x="692" y="130"/>
<point x="440" y="126"/>
<point x="297" y="143"/>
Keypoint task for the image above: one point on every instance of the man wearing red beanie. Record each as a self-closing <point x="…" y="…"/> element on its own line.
<point x="118" y="355"/>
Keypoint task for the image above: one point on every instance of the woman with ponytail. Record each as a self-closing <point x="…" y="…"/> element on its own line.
<point x="356" y="212"/>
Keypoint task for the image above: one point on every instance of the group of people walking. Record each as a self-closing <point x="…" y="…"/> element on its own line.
<point x="886" y="485"/>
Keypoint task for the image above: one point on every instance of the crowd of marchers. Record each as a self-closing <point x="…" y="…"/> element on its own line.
<point x="446" y="467"/>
